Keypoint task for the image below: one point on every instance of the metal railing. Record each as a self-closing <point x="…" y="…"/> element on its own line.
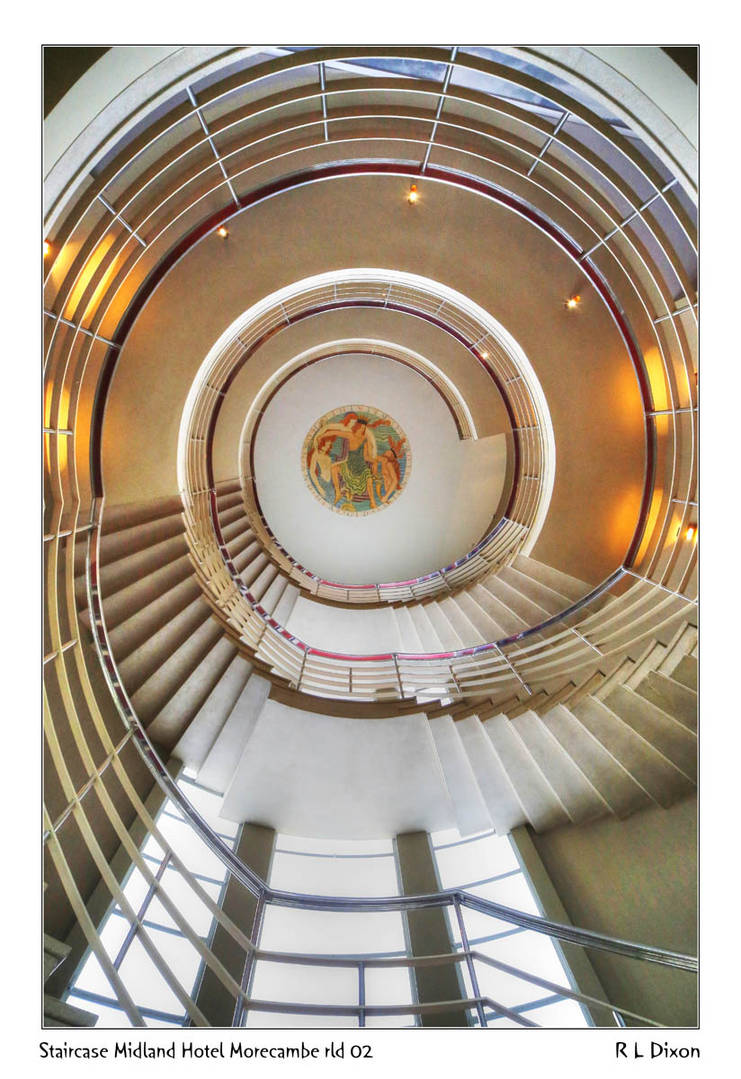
<point x="104" y="266"/>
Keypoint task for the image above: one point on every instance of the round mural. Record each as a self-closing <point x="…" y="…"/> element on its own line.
<point x="356" y="460"/>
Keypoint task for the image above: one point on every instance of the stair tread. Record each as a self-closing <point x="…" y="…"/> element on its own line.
<point x="671" y="696"/>
<point x="658" y="777"/>
<point x="538" y="799"/>
<point x="218" y="768"/>
<point x="670" y="738"/>
<point x="472" y="814"/>
<point x="578" y="796"/>
<point x="504" y="807"/>
<point x="616" y="786"/>
<point x="196" y="741"/>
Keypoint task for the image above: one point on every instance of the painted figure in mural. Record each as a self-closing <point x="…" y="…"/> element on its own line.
<point x="349" y="468"/>
<point x="388" y="468"/>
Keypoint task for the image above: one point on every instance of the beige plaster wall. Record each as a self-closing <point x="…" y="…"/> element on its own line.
<point x="484" y="251"/>
<point x="635" y="879"/>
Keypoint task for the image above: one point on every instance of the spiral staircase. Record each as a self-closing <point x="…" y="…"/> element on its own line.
<point x="525" y="654"/>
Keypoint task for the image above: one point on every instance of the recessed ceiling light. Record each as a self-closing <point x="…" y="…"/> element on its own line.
<point x="573" y="302"/>
<point x="413" y="194"/>
<point x="47" y="248"/>
<point x="222" y="231"/>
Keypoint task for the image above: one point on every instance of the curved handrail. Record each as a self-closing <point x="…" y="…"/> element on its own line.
<point x="259" y="887"/>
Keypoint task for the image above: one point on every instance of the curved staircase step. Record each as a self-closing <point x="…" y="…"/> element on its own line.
<point x="170" y="723"/>
<point x="484" y="628"/>
<point x="538" y="798"/>
<point x="159" y="649"/>
<point x="409" y="638"/>
<point x="196" y="741"/>
<point x="183" y="681"/>
<point x="470" y="809"/>
<point x="449" y="638"/>
<point x="142" y="625"/>
<point x="536" y="591"/>
<point x="671" y="738"/>
<point x="219" y="766"/>
<point x="576" y="794"/>
<point x="622" y="794"/>
<point x="658" y="777"/>
<point x="498" y="792"/>
<point x="685" y="673"/>
<point x="117" y="575"/>
<point x="671" y="696"/>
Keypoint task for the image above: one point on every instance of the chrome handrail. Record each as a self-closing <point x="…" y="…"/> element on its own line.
<point x="259" y="887"/>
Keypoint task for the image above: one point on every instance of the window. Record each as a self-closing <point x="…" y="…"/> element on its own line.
<point x="126" y="943"/>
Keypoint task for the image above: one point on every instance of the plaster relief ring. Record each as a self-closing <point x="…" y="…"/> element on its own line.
<point x="356" y="460"/>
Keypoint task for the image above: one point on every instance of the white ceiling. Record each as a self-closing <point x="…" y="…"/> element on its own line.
<point x="447" y="504"/>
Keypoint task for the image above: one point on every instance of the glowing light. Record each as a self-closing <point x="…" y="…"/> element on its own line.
<point x="573" y="302"/>
<point x="484" y="355"/>
<point x="222" y="231"/>
<point x="690" y="532"/>
<point x="47" y="248"/>
<point x="413" y="194"/>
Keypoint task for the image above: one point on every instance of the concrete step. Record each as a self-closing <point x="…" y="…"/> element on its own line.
<point x="117" y="575"/>
<point x="621" y="793"/>
<point x="218" y="768"/>
<point x="530" y="613"/>
<point x="166" y="669"/>
<point x="425" y="629"/>
<point x="650" y="661"/>
<point x="460" y="621"/>
<point x="678" y="700"/>
<point x="658" y="777"/>
<point x="409" y="638"/>
<point x="485" y="628"/>
<point x="244" y="557"/>
<point x="171" y="721"/>
<point x="196" y="741"/>
<point x="491" y="629"/>
<point x="448" y="637"/>
<point x="471" y="812"/>
<point x="671" y="738"/>
<point x="142" y="625"/>
<point x="536" y="795"/>
<point x="286" y="603"/>
<point x="263" y="581"/>
<point x="685" y="673"/>
<point x="146" y="590"/>
<point x="138" y="537"/>
<point x="538" y="592"/>
<point x="255" y="567"/>
<point x="509" y="622"/>
<point x="570" y="588"/>
<point x="161" y="647"/>
<point x="272" y="594"/>
<point x="577" y="795"/>
<point x="498" y="792"/>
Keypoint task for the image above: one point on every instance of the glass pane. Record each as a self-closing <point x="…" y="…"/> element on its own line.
<point x="563" y="1013"/>
<point x="107" y="1017"/>
<point x="305" y="985"/>
<point x="144" y="982"/>
<point x="190" y="848"/>
<point x="92" y="978"/>
<point x="334" y="876"/>
<point x="114" y="932"/>
<point x="327" y="932"/>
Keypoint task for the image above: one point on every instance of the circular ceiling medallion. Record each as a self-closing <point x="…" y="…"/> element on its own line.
<point x="356" y="460"/>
